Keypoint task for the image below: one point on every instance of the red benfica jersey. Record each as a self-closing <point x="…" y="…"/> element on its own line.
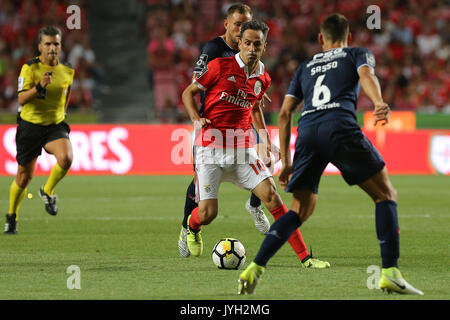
<point x="230" y="96"/>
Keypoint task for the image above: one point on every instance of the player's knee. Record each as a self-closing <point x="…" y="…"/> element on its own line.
<point x="389" y="194"/>
<point x="65" y="161"/>
<point x="394" y="194"/>
<point x="23" y="179"/>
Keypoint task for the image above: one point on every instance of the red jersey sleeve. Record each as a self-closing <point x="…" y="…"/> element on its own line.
<point x="209" y="76"/>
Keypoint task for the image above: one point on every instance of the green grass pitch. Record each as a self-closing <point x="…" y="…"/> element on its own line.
<point x="122" y="231"/>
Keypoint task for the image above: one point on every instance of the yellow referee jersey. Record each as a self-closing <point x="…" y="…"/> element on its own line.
<point x="51" y="109"/>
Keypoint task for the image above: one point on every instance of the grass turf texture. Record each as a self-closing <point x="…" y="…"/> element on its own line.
<point x="122" y="232"/>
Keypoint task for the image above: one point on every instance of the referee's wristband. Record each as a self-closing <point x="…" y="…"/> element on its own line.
<point x="41" y="91"/>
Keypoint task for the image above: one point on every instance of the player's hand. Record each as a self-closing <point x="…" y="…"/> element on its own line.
<point x="265" y="97"/>
<point x="284" y="176"/>
<point x="274" y="157"/>
<point x="381" y="113"/>
<point x="276" y="153"/>
<point x="46" y="79"/>
<point x="201" y="123"/>
<point x="267" y="156"/>
<point x="262" y="102"/>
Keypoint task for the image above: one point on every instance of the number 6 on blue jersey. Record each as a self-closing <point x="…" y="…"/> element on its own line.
<point x="320" y="90"/>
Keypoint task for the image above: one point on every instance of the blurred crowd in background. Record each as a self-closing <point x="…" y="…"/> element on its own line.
<point x="412" y="48"/>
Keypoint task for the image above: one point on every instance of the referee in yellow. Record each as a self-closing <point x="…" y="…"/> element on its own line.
<point x="44" y="88"/>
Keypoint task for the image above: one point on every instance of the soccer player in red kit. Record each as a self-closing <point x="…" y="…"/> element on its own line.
<point x="234" y="89"/>
<point x="225" y="45"/>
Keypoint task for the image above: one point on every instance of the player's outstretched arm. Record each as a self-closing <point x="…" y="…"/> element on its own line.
<point x="285" y="124"/>
<point x="371" y="86"/>
<point x="191" y="107"/>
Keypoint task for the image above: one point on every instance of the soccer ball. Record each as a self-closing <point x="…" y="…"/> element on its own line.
<point x="229" y="253"/>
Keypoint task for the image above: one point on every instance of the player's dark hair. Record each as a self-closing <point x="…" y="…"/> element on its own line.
<point x="239" y="7"/>
<point x="255" y="25"/>
<point x="49" y="31"/>
<point x="335" y="27"/>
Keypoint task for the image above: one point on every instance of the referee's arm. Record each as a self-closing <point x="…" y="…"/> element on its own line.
<point x="27" y="95"/>
<point x="69" y="90"/>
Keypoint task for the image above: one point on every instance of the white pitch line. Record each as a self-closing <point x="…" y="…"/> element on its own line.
<point x="244" y="216"/>
<point x="109" y="199"/>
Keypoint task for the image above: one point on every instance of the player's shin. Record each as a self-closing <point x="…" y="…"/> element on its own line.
<point x="56" y="175"/>
<point x="190" y="203"/>
<point x="296" y="239"/>
<point x="16" y="196"/>
<point x="388" y="232"/>
<point x="254" y="201"/>
<point x="194" y="221"/>
<point x="278" y="234"/>
<point x="193" y="236"/>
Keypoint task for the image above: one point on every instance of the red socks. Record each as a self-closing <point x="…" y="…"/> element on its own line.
<point x="296" y="239"/>
<point x="194" y="221"/>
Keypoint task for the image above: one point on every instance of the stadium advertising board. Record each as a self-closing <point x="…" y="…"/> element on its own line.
<point x="166" y="150"/>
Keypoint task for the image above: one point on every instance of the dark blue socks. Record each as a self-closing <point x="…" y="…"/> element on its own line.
<point x="388" y="232"/>
<point x="278" y="234"/>
<point x="254" y="201"/>
<point x="190" y="203"/>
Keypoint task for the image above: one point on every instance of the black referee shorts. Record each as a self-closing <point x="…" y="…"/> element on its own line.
<point x="31" y="138"/>
<point x="340" y="142"/>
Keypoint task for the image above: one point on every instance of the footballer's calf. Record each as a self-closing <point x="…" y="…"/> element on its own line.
<point x="207" y="210"/>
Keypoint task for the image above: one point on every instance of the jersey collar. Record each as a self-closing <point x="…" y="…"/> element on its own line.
<point x="258" y="72"/>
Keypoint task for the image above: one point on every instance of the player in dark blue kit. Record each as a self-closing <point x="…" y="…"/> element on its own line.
<point x="329" y="84"/>
<point x="222" y="46"/>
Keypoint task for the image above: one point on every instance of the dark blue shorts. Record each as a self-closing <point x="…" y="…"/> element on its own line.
<point x="340" y="142"/>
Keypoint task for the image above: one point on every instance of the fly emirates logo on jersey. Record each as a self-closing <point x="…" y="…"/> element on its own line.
<point x="238" y="100"/>
<point x="94" y="151"/>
